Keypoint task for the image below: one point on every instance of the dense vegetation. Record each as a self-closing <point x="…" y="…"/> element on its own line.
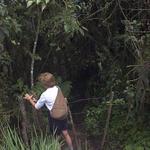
<point x="99" y="51"/>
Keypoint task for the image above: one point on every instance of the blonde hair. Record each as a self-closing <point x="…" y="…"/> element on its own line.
<point x="47" y="79"/>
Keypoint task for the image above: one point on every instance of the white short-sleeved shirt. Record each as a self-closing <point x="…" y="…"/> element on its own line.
<point x="48" y="98"/>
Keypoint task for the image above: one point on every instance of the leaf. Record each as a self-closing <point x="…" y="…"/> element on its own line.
<point x="53" y="2"/>
<point x="29" y="3"/>
<point x="38" y="1"/>
<point x="66" y="28"/>
<point x="58" y="48"/>
<point x="46" y="1"/>
<point x="14" y="42"/>
<point x="37" y="57"/>
<point x="52" y="44"/>
<point x="81" y="31"/>
<point x="84" y="28"/>
<point x="2" y="35"/>
<point x="43" y="6"/>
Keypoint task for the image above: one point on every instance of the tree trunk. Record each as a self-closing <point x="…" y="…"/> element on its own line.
<point x="107" y="121"/>
<point x="34" y="49"/>
<point x="24" y="122"/>
<point x="35" y="114"/>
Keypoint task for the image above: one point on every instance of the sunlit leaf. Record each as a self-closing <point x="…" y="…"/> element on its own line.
<point x="84" y="28"/>
<point x="46" y="1"/>
<point x="43" y="6"/>
<point x="66" y="28"/>
<point x="81" y="31"/>
<point x="29" y="3"/>
<point x="38" y="1"/>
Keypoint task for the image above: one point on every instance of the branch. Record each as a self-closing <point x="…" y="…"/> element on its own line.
<point x="97" y="11"/>
<point x="133" y="42"/>
<point x="111" y="13"/>
<point x="107" y="120"/>
<point x="34" y="48"/>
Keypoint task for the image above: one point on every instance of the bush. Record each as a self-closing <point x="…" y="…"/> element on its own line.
<point x="125" y="133"/>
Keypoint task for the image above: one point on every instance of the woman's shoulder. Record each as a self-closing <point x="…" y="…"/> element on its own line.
<point x="52" y="89"/>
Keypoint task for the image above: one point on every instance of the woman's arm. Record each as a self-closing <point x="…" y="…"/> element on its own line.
<point x="31" y="99"/>
<point x="37" y="104"/>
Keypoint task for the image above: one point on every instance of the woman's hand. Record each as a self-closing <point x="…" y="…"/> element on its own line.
<point x="28" y="97"/>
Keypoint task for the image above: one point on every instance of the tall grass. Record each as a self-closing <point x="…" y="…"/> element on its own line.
<point x="12" y="141"/>
<point x="45" y="142"/>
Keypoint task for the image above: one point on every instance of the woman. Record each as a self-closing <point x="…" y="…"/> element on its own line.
<point x="47" y="98"/>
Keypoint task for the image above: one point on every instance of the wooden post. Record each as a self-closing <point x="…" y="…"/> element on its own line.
<point x="73" y="128"/>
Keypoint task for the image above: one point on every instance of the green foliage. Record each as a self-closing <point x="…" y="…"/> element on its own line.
<point x="65" y="86"/>
<point x="20" y="87"/>
<point x="138" y="137"/>
<point x="11" y="140"/>
<point x="130" y="90"/>
<point x="3" y="30"/>
<point x="134" y="147"/>
<point x="128" y="134"/>
<point x="7" y="22"/>
<point x="37" y="89"/>
<point x="41" y="3"/>
<point x="5" y="91"/>
<point x="37" y="2"/>
<point x="96" y="116"/>
<point x="8" y="25"/>
<point x="45" y="142"/>
<point x="91" y="64"/>
<point x="5" y="59"/>
<point x="68" y="18"/>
